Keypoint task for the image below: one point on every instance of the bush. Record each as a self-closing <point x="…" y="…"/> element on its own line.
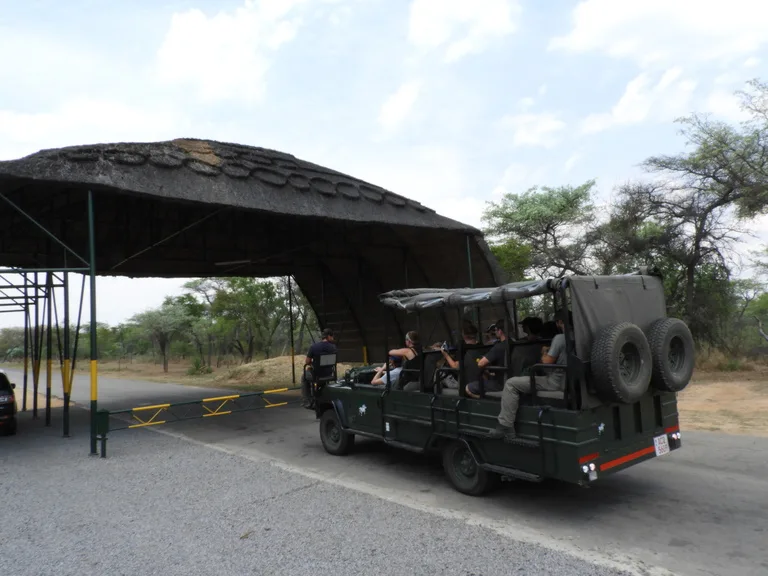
<point x="198" y="368"/>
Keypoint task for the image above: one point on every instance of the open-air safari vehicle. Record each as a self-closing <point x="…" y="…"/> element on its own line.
<point x="626" y="361"/>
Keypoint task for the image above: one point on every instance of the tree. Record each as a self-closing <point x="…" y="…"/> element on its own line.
<point x="550" y="222"/>
<point x="163" y="324"/>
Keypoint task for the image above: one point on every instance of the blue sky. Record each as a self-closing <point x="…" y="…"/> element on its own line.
<point x="450" y="102"/>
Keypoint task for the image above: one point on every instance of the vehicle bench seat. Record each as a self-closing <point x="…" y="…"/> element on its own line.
<point x="551" y="394"/>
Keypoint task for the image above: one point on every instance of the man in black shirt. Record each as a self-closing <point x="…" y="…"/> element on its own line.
<point x="494" y="381"/>
<point x="321" y="348"/>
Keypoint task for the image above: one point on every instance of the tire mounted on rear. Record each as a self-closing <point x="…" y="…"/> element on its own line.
<point x="621" y="363"/>
<point x="673" y="352"/>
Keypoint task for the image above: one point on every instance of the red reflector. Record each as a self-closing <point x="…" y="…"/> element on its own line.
<point x="672" y="429"/>
<point x="588" y="457"/>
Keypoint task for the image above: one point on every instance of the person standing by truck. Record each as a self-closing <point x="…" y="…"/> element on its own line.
<point x="325" y="346"/>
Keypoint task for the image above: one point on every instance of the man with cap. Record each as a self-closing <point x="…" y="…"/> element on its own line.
<point x="324" y="346"/>
<point x="494" y="382"/>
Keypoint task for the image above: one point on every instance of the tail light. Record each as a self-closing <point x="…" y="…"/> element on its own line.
<point x="6" y="399"/>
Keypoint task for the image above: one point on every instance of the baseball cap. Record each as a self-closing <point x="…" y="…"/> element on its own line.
<point x="327" y="332"/>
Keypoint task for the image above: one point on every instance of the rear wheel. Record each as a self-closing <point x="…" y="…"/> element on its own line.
<point x="621" y="363"/>
<point x="463" y="471"/>
<point x="335" y="440"/>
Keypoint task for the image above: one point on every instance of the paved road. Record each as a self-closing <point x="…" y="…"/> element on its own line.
<point x="702" y="510"/>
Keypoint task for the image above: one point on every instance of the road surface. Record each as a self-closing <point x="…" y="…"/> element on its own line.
<point x="702" y="510"/>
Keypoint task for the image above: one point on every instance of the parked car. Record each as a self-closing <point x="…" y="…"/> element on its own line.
<point x="7" y="405"/>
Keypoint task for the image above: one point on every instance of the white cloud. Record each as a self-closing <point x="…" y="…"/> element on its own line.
<point x="725" y="105"/>
<point x="642" y="101"/>
<point x="397" y="107"/>
<point x="526" y="102"/>
<point x="461" y="27"/>
<point x="519" y="177"/>
<point x="542" y="90"/>
<point x="83" y="121"/>
<point x="667" y="33"/>
<point x="226" y="56"/>
<point x="534" y="129"/>
<point x="751" y="62"/>
<point x="571" y="162"/>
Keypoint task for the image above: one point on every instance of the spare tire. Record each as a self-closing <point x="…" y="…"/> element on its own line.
<point x="673" y="354"/>
<point x="621" y="363"/>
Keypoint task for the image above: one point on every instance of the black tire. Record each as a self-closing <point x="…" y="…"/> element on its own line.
<point x="621" y="363"/>
<point x="673" y="353"/>
<point x="463" y="471"/>
<point x="335" y="440"/>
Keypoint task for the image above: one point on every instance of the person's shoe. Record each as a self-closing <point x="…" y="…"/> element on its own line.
<point x="502" y="432"/>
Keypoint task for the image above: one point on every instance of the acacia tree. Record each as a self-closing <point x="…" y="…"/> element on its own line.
<point x="163" y="324"/>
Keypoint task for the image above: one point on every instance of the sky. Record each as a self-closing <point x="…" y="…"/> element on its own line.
<point x="449" y="102"/>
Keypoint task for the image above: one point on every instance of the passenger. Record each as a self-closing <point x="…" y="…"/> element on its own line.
<point x="492" y="380"/>
<point x="554" y="381"/>
<point x="411" y="360"/>
<point x="472" y="371"/>
<point x="321" y="348"/>
<point x="548" y="330"/>
<point x="526" y="354"/>
<point x="490" y="335"/>
<point x="394" y="367"/>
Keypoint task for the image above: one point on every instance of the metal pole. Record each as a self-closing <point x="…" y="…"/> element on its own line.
<point x="65" y="379"/>
<point x="48" y="356"/>
<point x="26" y="345"/>
<point x="290" y="319"/>
<point x="94" y="349"/>
<point x="36" y="351"/>
<point x="472" y="279"/>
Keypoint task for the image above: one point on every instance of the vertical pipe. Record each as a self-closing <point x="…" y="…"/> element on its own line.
<point x="49" y="346"/>
<point x="65" y="371"/>
<point x="94" y="350"/>
<point x="26" y="344"/>
<point x="36" y="349"/>
<point x="472" y="278"/>
<point x="290" y="319"/>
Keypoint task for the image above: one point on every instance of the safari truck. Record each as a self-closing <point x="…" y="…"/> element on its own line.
<point x="625" y="362"/>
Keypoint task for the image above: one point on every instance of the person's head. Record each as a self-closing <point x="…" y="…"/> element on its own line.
<point x="469" y="333"/>
<point x="412" y="339"/>
<point x="548" y="330"/>
<point x="327" y="335"/>
<point x="501" y="329"/>
<point x="395" y="362"/>
<point x="532" y="326"/>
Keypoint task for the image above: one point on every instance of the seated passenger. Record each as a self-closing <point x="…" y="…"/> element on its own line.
<point x="492" y="380"/>
<point x="394" y="367"/>
<point x="548" y="330"/>
<point x="471" y="358"/>
<point x="411" y="359"/>
<point x="555" y="380"/>
<point x="525" y="354"/>
<point x="325" y="346"/>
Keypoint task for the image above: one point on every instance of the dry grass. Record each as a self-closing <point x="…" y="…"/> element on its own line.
<point x="731" y="402"/>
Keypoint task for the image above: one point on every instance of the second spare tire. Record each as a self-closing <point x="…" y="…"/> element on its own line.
<point x="673" y="354"/>
<point x="621" y="363"/>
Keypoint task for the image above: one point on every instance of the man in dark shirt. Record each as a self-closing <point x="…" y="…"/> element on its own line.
<point x="321" y="348"/>
<point x="494" y="381"/>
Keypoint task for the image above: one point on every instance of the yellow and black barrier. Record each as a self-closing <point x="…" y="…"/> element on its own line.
<point x="157" y="414"/>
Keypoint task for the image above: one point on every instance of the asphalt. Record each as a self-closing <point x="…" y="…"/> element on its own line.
<point x="701" y="510"/>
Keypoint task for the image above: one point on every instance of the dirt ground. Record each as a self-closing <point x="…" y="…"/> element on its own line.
<point x="730" y="402"/>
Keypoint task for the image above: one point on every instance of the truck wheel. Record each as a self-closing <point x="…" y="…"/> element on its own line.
<point x="334" y="439"/>
<point x="673" y="354"/>
<point x="621" y="363"/>
<point x="463" y="471"/>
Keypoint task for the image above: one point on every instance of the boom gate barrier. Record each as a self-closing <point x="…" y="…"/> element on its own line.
<point x="157" y="414"/>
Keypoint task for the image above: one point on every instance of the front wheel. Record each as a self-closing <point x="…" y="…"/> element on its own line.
<point x="463" y="471"/>
<point x="335" y="440"/>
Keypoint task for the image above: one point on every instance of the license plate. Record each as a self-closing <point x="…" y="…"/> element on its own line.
<point x="661" y="444"/>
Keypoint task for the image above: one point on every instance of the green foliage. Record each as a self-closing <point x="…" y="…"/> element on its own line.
<point x="514" y="258"/>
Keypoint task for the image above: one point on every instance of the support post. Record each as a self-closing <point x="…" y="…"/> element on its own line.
<point x="26" y="345"/>
<point x="290" y="324"/>
<point x="49" y="347"/>
<point x="472" y="280"/>
<point x="36" y="349"/>
<point x="66" y="382"/>
<point x="94" y="349"/>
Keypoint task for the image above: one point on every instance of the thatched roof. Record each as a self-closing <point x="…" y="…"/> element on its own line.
<point x="189" y="208"/>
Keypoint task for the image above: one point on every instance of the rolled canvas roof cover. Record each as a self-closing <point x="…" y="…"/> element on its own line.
<point x="418" y="299"/>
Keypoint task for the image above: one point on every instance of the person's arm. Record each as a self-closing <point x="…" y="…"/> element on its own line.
<point x="492" y="357"/>
<point x="401" y="352"/>
<point x="549" y="355"/>
<point x="450" y="361"/>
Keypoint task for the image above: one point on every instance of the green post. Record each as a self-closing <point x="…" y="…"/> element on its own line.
<point x="48" y="353"/>
<point x="94" y="349"/>
<point x="290" y="320"/>
<point x="36" y="352"/>
<point x="66" y="381"/>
